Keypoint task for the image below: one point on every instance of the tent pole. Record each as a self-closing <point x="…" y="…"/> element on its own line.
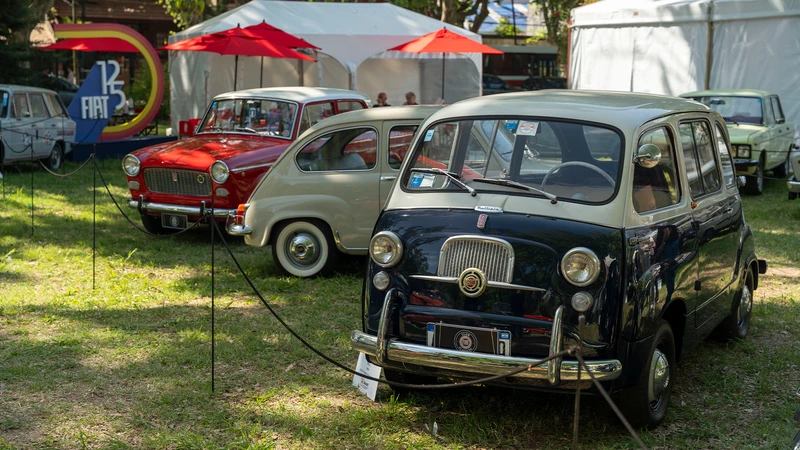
<point x="300" y="72"/>
<point x="710" y="46"/>
<point x="261" y="78"/>
<point x="235" y="69"/>
<point x="443" y="78"/>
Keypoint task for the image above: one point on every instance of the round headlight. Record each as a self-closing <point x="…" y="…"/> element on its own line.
<point x="219" y="172"/>
<point x="385" y="249"/>
<point x="131" y="165"/>
<point x="582" y="301"/>
<point x="580" y="266"/>
<point x="381" y="280"/>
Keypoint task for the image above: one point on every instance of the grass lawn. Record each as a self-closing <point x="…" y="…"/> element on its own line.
<point x="127" y="365"/>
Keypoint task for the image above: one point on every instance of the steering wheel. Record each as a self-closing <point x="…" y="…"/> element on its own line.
<point x="578" y="164"/>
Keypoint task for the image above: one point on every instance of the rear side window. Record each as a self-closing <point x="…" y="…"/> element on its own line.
<point x="657" y="187"/>
<point x="343" y="150"/>
<point x="399" y="141"/>
<point x="21" y="106"/>
<point x="345" y="106"/>
<point x="724" y="157"/>
<point x="55" y="105"/>
<point x="698" y="153"/>
<point x="37" y="106"/>
<point x="313" y="114"/>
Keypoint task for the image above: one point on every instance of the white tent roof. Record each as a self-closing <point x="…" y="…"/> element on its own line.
<point x="332" y="26"/>
<point x="638" y="12"/>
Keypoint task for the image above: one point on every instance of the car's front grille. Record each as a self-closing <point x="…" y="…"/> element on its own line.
<point x="179" y="182"/>
<point x="495" y="257"/>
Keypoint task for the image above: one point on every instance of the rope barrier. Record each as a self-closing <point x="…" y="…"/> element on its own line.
<point x="66" y="175"/>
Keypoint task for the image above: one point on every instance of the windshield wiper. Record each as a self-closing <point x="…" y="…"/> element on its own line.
<point x="450" y="175"/>
<point x="553" y="199"/>
<point x="728" y="119"/>
<point x="248" y="129"/>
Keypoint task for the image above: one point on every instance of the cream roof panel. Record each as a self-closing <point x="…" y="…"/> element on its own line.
<point x="297" y="94"/>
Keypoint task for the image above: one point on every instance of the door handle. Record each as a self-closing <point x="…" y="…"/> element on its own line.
<point x="388" y="178"/>
<point x="729" y="211"/>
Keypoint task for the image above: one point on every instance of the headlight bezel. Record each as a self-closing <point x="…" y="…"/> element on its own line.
<point x="742" y="151"/>
<point x="219" y="164"/>
<point x="398" y="246"/>
<point x="593" y="260"/>
<point x="138" y="165"/>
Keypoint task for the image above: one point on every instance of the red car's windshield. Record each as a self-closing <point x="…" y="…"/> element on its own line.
<point x="261" y="116"/>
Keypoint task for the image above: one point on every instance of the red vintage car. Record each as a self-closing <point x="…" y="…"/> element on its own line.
<point x="241" y="136"/>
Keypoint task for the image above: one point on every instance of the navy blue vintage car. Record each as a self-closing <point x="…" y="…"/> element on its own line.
<point x="519" y="216"/>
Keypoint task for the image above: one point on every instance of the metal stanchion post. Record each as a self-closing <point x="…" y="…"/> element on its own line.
<point x="213" y="231"/>
<point x="31" y="146"/>
<point x="94" y="215"/>
<point x="576" y="418"/>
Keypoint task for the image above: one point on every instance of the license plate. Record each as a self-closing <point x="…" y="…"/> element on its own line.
<point x="174" y="221"/>
<point x="469" y="339"/>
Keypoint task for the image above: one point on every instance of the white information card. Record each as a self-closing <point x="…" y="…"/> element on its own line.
<point x="367" y="387"/>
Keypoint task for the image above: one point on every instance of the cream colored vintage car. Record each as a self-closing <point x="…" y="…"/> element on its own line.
<point x="324" y="194"/>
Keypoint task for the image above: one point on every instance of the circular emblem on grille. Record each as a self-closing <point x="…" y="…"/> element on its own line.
<point x="173" y="221"/>
<point x="472" y="282"/>
<point x="201" y="179"/>
<point x="466" y="341"/>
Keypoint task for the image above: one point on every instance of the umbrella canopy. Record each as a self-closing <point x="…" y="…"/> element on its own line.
<point x="444" y="41"/>
<point x="238" y="42"/>
<point x="109" y="45"/>
<point x="277" y="36"/>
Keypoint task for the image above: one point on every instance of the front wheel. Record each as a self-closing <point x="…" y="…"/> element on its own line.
<point x="304" y="248"/>
<point x="645" y="405"/>
<point x="755" y="182"/>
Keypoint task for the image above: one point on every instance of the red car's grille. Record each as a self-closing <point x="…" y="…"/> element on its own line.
<point x="178" y="182"/>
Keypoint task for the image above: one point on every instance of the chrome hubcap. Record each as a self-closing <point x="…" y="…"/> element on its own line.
<point x="303" y="249"/>
<point x="55" y="158"/>
<point x="659" y="378"/>
<point x="745" y="304"/>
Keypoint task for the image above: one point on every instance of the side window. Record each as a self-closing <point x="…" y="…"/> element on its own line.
<point x="345" y="106"/>
<point x="351" y="149"/>
<point x="658" y="187"/>
<point x="690" y="160"/>
<point x="21" y="105"/>
<point x="724" y="157"/>
<point x="37" y="106"/>
<point x="777" y="110"/>
<point x="312" y="114"/>
<point x="4" y="104"/>
<point x="55" y="105"/>
<point x="769" y="118"/>
<point x="399" y="142"/>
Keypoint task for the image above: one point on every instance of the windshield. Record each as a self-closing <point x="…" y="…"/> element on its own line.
<point x="573" y="161"/>
<point x="735" y="109"/>
<point x="268" y="117"/>
<point x="5" y="99"/>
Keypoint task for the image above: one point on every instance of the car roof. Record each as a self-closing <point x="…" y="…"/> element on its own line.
<point x="385" y="113"/>
<point x="623" y="110"/>
<point x="730" y="93"/>
<point x="17" y="88"/>
<point x="300" y="94"/>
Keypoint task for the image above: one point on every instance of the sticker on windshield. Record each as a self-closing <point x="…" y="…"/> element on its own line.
<point x="429" y="135"/>
<point x="511" y="125"/>
<point x="416" y="180"/>
<point x="427" y="180"/>
<point x="527" y="128"/>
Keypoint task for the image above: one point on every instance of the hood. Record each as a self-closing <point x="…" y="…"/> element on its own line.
<point x="200" y="152"/>
<point x="744" y="134"/>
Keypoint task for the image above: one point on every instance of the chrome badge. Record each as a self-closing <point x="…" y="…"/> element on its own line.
<point x="482" y="221"/>
<point x="488" y="209"/>
<point x="175" y="176"/>
<point x="201" y="179"/>
<point x="472" y="282"/>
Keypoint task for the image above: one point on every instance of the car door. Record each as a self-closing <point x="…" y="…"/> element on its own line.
<point x="341" y="167"/>
<point x="713" y="213"/>
<point x="40" y="125"/>
<point x="397" y="137"/>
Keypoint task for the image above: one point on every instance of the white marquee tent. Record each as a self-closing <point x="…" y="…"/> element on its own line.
<point x="353" y="38"/>
<point x="676" y="46"/>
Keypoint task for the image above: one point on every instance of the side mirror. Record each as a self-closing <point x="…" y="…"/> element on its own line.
<point x="780" y="121"/>
<point x="648" y="156"/>
<point x="741" y="180"/>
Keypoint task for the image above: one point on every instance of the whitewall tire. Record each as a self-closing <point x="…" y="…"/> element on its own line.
<point x="304" y="248"/>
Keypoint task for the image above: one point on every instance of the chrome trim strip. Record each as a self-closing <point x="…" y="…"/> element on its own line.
<point x="556" y="345"/>
<point x="254" y="166"/>
<point x="400" y="353"/>
<point x="381" y="344"/>
<point x="177" y="209"/>
<point x="492" y="284"/>
<point x="478" y="238"/>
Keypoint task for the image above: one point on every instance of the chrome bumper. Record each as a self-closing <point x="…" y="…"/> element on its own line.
<point x="235" y="229"/>
<point x="166" y="208"/>
<point x="393" y="352"/>
<point x="793" y="185"/>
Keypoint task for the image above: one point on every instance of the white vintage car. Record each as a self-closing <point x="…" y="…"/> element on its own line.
<point x="324" y="194"/>
<point x="33" y="125"/>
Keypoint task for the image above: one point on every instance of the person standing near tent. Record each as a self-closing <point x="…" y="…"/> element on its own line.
<point x="411" y="98"/>
<point x="381" y="100"/>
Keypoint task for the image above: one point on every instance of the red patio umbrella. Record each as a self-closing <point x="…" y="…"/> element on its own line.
<point x="238" y="42"/>
<point x="278" y="36"/>
<point x="445" y="41"/>
<point x="109" y="45"/>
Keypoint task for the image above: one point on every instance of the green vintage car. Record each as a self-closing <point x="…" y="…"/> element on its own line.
<point x="761" y="138"/>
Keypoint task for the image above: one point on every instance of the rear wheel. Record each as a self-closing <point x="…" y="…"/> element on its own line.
<point x="645" y="405"/>
<point x="56" y="158"/>
<point x="755" y="182"/>
<point x="304" y="248"/>
<point x="737" y="324"/>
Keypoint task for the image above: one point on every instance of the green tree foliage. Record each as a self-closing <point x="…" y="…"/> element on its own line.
<point x="16" y="23"/>
<point x="506" y="28"/>
<point x="186" y="13"/>
<point x="556" y="14"/>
